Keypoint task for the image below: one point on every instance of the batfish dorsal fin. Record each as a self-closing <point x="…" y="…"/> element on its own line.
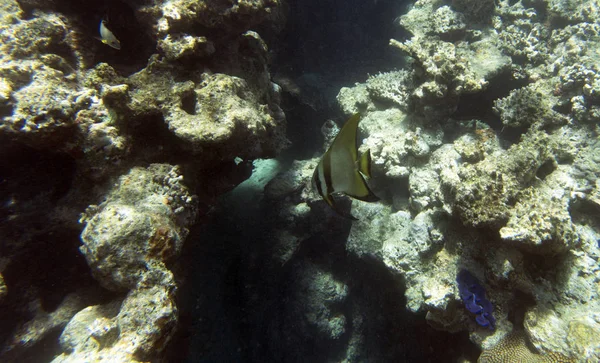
<point x="346" y="138"/>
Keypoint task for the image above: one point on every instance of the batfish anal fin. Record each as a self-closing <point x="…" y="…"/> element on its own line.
<point x="331" y="202"/>
<point x="361" y="190"/>
<point x="364" y="164"/>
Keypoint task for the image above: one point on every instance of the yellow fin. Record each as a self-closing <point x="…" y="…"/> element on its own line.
<point x="343" y="154"/>
<point x="364" y="164"/>
<point x="360" y="190"/>
<point x="346" y="138"/>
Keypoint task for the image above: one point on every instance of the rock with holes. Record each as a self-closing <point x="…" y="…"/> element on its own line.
<point x="448" y="24"/>
<point x="222" y="115"/>
<point x="397" y="141"/>
<point x="216" y="115"/>
<point x="187" y="15"/>
<point x="528" y="106"/>
<point x="505" y="191"/>
<point x="571" y="11"/>
<point x="476" y="11"/>
<point x="355" y="99"/>
<point x="95" y="121"/>
<point x="131" y="238"/>
<point x="549" y="227"/>
<point x="130" y="242"/>
<point x="448" y="69"/>
<point x="394" y="87"/>
<point x="566" y="318"/>
<point x="184" y="46"/>
<point x="403" y="244"/>
<point x="39" y="90"/>
<point x="176" y="24"/>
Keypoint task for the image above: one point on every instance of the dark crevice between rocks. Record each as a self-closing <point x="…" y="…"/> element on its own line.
<point x="48" y="269"/>
<point x="136" y="42"/>
<point x="238" y="303"/>
<point x="51" y="265"/>
<point x="6" y="111"/>
<point x="44" y="350"/>
<point x="392" y="332"/>
<point x="324" y="46"/>
<point x="44" y="262"/>
<point x="153" y="142"/>
<point x="480" y="106"/>
<point x="522" y="302"/>
<point x="235" y="300"/>
<point x="188" y="103"/>
<point x="587" y="213"/>
<point x="546" y="169"/>
<point x="544" y="266"/>
<point x="563" y="107"/>
<point x="32" y="180"/>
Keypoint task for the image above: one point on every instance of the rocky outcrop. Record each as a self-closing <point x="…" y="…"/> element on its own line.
<point x="120" y="140"/>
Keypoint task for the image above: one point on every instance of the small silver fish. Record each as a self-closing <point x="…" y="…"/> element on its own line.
<point x="107" y="37"/>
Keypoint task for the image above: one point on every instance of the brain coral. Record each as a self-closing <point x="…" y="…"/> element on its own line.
<point x="514" y="348"/>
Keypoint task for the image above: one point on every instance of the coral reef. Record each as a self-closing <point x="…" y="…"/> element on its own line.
<point x="485" y="152"/>
<point x="139" y="138"/>
<point x="514" y="348"/>
<point x="487" y="160"/>
<point x="447" y="69"/>
<point x="140" y="227"/>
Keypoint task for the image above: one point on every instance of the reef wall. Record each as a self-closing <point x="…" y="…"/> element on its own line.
<point x="113" y="155"/>
<point x="485" y="153"/>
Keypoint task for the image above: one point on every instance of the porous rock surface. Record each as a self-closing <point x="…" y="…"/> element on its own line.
<point x="520" y="213"/>
<point x="113" y="136"/>
<point x="485" y="154"/>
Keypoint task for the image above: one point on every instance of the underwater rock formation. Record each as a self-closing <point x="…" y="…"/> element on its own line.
<point x="463" y="192"/>
<point x="485" y="152"/>
<point x="139" y="229"/>
<point x="90" y="115"/>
